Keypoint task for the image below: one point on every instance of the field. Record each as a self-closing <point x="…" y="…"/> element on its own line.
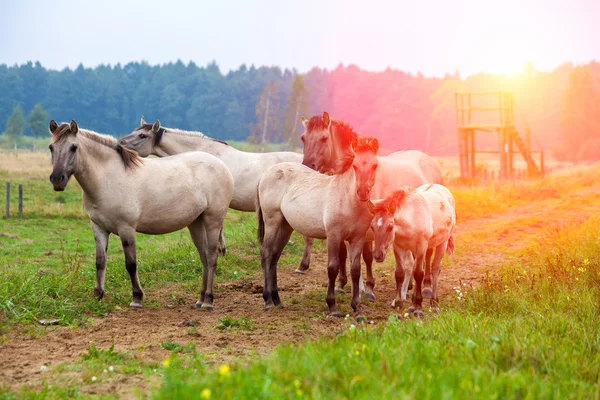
<point x="520" y="316"/>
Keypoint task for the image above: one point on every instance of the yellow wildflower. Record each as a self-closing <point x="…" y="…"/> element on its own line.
<point x="205" y="393"/>
<point x="224" y="370"/>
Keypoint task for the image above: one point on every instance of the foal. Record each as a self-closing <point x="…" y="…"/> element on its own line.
<point x="124" y="194"/>
<point x="292" y="197"/>
<point x="414" y="221"/>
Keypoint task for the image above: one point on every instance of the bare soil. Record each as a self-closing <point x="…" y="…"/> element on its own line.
<point x="141" y="332"/>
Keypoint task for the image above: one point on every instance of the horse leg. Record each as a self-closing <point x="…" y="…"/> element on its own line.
<point x="440" y="251"/>
<point x="305" y="263"/>
<point x="206" y="239"/>
<point x="334" y="251"/>
<point x="343" y="277"/>
<point x="407" y="260"/>
<point x="128" y="240"/>
<point x="270" y="250"/>
<point x="222" y="245"/>
<point x="367" y="254"/>
<point x="402" y="274"/>
<point x="355" y="250"/>
<point x="283" y="237"/>
<point x="427" y="280"/>
<point x="101" y="238"/>
<point x="417" y="296"/>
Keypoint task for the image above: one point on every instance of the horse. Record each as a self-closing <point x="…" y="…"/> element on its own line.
<point x="246" y="167"/>
<point x="124" y="194"/>
<point x="415" y="221"/>
<point x="327" y="145"/>
<point x="292" y="197"/>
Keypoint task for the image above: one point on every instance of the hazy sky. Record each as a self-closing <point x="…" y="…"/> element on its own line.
<point x="434" y="37"/>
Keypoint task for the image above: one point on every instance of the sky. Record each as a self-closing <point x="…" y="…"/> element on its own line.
<point x="431" y="37"/>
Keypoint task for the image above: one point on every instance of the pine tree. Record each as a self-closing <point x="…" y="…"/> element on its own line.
<point x="297" y="106"/>
<point x="267" y="116"/>
<point x="37" y="121"/>
<point x="16" y="123"/>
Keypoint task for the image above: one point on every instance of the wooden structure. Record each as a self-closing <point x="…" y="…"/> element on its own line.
<point x="508" y="136"/>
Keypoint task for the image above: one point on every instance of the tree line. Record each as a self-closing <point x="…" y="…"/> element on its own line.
<point x="264" y="104"/>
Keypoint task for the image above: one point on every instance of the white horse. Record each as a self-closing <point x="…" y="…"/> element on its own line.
<point x="246" y="168"/>
<point x="326" y="149"/>
<point x="414" y="221"/>
<point x="124" y="194"/>
<point x="293" y="197"/>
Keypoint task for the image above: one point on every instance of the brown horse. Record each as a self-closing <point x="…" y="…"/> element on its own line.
<point x="293" y="197"/>
<point x="327" y="146"/>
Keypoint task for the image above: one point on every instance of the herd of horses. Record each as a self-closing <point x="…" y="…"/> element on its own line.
<point x="339" y="190"/>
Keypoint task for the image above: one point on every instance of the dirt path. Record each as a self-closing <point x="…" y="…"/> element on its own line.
<point x="481" y="244"/>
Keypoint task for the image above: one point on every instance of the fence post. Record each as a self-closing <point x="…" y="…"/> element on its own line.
<point x="7" y="199"/>
<point x="20" y="200"/>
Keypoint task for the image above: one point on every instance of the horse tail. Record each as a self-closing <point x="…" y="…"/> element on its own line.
<point x="450" y="247"/>
<point x="259" y="217"/>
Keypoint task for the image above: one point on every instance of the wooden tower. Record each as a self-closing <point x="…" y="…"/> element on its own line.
<point x="508" y="137"/>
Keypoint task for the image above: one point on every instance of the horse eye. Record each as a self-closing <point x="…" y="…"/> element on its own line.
<point x="324" y="139"/>
<point x="51" y="148"/>
<point x="74" y="148"/>
<point x="142" y="136"/>
<point x="390" y="227"/>
<point x="302" y="138"/>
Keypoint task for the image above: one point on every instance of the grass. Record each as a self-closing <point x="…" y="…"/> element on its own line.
<point x="47" y="256"/>
<point x="532" y="331"/>
<point x="529" y="331"/>
<point x="242" y="323"/>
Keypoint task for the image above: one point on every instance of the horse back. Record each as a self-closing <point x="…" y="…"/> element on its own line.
<point x="429" y="167"/>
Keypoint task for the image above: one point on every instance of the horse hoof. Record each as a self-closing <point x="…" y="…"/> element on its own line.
<point x="99" y="294"/>
<point x="135" y="305"/>
<point x="411" y="309"/>
<point x="418" y="314"/>
<point x="222" y="251"/>
<point x="361" y="318"/>
<point x="336" y="314"/>
<point x="427" y="292"/>
<point x="369" y="296"/>
<point x="207" y="307"/>
<point x="299" y="271"/>
<point x="340" y="290"/>
<point x="396" y="304"/>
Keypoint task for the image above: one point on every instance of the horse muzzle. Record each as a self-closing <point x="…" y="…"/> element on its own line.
<point x="364" y="194"/>
<point x="379" y="256"/>
<point x="59" y="181"/>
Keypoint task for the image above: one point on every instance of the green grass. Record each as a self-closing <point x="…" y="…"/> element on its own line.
<point x="242" y="323"/>
<point x="47" y="261"/>
<point x="530" y="331"/>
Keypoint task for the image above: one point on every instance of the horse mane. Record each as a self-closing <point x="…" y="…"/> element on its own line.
<point x="130" y="157"/>
<point x="393" y="200"/>
<point x="158" y="135"/>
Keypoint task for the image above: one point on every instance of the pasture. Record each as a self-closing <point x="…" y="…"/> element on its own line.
<point x="519" y="312"/>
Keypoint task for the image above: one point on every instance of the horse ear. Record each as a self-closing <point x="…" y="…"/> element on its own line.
<point x="73" y="127"/>
<point x="156" y="126"/>
<point x="53" y="126"/>
<point x="375" y="145"/>
<point x="326" y="119"/>
<point x="304" y="121"/>
<point x="142" y="121"/>
<point x="391" y="207"/>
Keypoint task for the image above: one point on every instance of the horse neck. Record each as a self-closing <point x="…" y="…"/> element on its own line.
<point x="346" y="184"/>
<point x="174" y="142"/>
<point x="93" y="160"/>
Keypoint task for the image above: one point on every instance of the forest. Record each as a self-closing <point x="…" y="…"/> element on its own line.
<point x="560" y="107"/>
